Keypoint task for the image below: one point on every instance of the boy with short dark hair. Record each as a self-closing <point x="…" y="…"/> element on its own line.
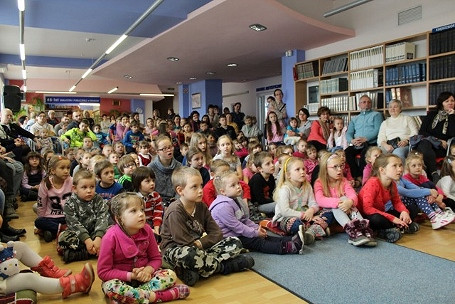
<point x="107" y="187"/>
<point x="102" y="138"/>
<point x="262" y="184"/>
<point x="192" y="242"/>
<point x="132" y="137"/>
<point x="126" y="165"/>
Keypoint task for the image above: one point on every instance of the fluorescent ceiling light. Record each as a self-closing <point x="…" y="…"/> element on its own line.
<point x="156" y="94"/>
<point x="192" y="78"/>
<point x="24" y="74"/>
<point x="174" y="59"/>
<point x="55" y="92"/>
<point x="112" y="90"/>
<point x="89" y="104"/>
<point x="257" y="27"/>
<point x="345" y="7"/>
<point x="123" y="37"/>
<point x="21" y="5"/>
<point x="22" y="51"/>
<point x="86" y="73"/>
<point x="232" y="64"/>
<point x="24" y="88"/>
<point x="72" y="88"/>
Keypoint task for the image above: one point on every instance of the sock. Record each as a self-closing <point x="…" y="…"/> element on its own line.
<point x="32" y="281"/>
<point x="431" y="215"/>
<point x="179" y="291"/>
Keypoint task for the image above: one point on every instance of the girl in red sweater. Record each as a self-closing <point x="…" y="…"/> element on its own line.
<point x="375" y="195"/>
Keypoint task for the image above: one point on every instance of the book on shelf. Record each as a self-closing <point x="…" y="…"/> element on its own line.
<point x="404" y="94"/>
<point x="406" y="73"/>
<point x="306" y="70"/>
<point x="334" y="65"/>
<point x="442" y="67"/>
<point x="400" y="51"/>
<point x="371" y="78"/>
<point x="442" y="41"/>
<point x="366" y="57"/>
<point x="333" y="85"/>
<point x="377" y="99"/>
<point x="438" y="88"/>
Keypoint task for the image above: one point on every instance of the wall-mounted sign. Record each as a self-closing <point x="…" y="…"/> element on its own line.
<point x="72" y="99"/>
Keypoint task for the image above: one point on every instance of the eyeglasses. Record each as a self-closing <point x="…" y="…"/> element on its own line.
<point x="166" y="148"/>
<point x="337" y="167"/>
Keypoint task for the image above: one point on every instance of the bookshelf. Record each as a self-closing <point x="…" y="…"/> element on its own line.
<point x="414" y="69"/>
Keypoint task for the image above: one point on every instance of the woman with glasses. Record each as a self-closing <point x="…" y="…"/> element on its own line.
<point x="163" y="165"/>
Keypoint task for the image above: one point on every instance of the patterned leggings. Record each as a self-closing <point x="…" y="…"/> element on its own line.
<point x="422" y="203"/>
<point x="205" y="262"/>
<point x="123" y="292"/>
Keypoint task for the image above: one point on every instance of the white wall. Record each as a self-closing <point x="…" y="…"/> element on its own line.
<point x="248" y="100"/>
<point x="377" y="21"/>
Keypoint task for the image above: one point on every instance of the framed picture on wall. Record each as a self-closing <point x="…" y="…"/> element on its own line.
<point x="196" y="100"/>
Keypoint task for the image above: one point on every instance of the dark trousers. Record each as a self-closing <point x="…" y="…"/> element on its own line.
<point x="28" y="194"/>
<point x="379" y="222"/>
<point x="7" y="174"/>
<point x="319" y="146"/>
<point x="356" y="168"/>
<point x="449" y="203"/>
<point x="429" y="155"/>
<point x="270" y="244"/>
<point x="49" y="224"/>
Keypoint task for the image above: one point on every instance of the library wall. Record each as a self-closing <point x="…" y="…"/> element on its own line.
<point x="374" y="24"/>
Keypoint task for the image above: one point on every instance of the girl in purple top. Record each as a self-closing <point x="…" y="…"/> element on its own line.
<point x="129" y="260"/>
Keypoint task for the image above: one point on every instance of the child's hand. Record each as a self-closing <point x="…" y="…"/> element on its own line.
<point x="145" y="274"/>
<point x="404" y="216"/>
<point x="399" y="222"/>
<point x="308" y="215"/>
<point x="97" y="245"/>
<point x="156" y="230"/>
<point x="262" y="232"/>
<point x="89" y="245"/>
<point x="439" y="202"/>
<point x="345" y="205"/>
<point x="431" y="199"/>
<point x="434" y="193"/>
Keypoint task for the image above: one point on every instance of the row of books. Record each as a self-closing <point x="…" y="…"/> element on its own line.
<point x="400" y="51"/>
<point x="338" y="103"/>
<point x="406" y="73"/>
<point x="333" y="85"/>
<point x="371" y="78"/>
<point x="306" y="70"/>
<point x="334" y="65"/>
<point x="404" y="94"/>
<point x="438" y="88"/>
<point x="442" y="42"/>
<point x="442" y="67"/>
<point x="366" y="57"/>
<point x="312" y="107"/>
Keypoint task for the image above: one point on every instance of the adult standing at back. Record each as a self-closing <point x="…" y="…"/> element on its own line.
<point x="395" y="131"/>
<point x="439" y="124"/>
<point x="280" y="108"/>
<point x="362" y="132"/>
<point x="238" y="116"/>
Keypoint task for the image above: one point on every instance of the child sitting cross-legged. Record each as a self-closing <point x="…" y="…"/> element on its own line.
<point x="232" y="217"/>
<point x="107" y="187"/>
<point x="129" y="261"/>
<point x="86" y="215"/>
<point x="192" y="242"/>
<point x="262" y="184"/>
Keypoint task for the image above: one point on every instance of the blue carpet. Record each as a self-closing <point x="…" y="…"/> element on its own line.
<point x="333" y="271"/>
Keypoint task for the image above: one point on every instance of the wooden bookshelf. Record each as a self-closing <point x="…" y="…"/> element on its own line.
<point x="416" y="69"/>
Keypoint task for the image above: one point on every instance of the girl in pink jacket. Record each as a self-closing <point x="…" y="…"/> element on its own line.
<point x="129" y="260"/>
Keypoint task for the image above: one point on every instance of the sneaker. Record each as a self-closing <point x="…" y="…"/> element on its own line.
<point x="439" y="220"/>
<point x="189" y="277"/>
<point x="237" y="264"/>
<point x="307" y="237"/>
<point x="47" y="235"/>
<point x="296" y="243"/>
<point x="449" y="214"/>
<point x="391" y="235"/>
<point x="359" y="240"/>
<point x="371" y="241"/>
<point x="412" y="228"/>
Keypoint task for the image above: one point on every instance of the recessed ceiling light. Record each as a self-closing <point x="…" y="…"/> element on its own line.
<point x="192" y="78"/>
<point x="178" y="82"/>
<point x="210" y="73"/>
<point x="174" y="59"/>
<point x="232" y="64"/>
<point x="128" y="76"/>
<point x="258" y="27"/>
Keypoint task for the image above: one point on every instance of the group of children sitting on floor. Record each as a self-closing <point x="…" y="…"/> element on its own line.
<point x="133" y="209"/>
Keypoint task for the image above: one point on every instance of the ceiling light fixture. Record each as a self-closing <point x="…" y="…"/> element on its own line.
<point x="173" y="59"/>
<point x="178" y="82"/>
<point x="21" y="5"/>
<point x="257" y="27"/>
<point x="22" y="51"/>
<point x="345" y="7"/>
<point x="86" y="73"/>
<point x="156" y="95"/>
<point x="232" y="64"/>
<point x="89" y="104"/>
<point x="116" y="44"/>
<point x="128" y="76"/>
<point x="192" y="78"/>
<point x="55" y="92"/>
<point x="24" y="74"/>
<point x="24" y="88"/>
<point x="72" y="88"/>
<point x="210" y="73"/>
<point x="112" y="90"/>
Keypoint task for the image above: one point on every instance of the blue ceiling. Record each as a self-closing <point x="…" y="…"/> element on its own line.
<point x="95" y="16"/>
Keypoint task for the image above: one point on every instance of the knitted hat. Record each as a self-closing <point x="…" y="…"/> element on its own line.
<point x="6" y="254"/>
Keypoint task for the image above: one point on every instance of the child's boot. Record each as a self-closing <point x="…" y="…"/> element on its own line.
<point x="356" y="236"/>
<point x="239" y="263"/>
<point x="364" y="226"/>
<point x="47" y="268"/>
<point x="81" y="282"/>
